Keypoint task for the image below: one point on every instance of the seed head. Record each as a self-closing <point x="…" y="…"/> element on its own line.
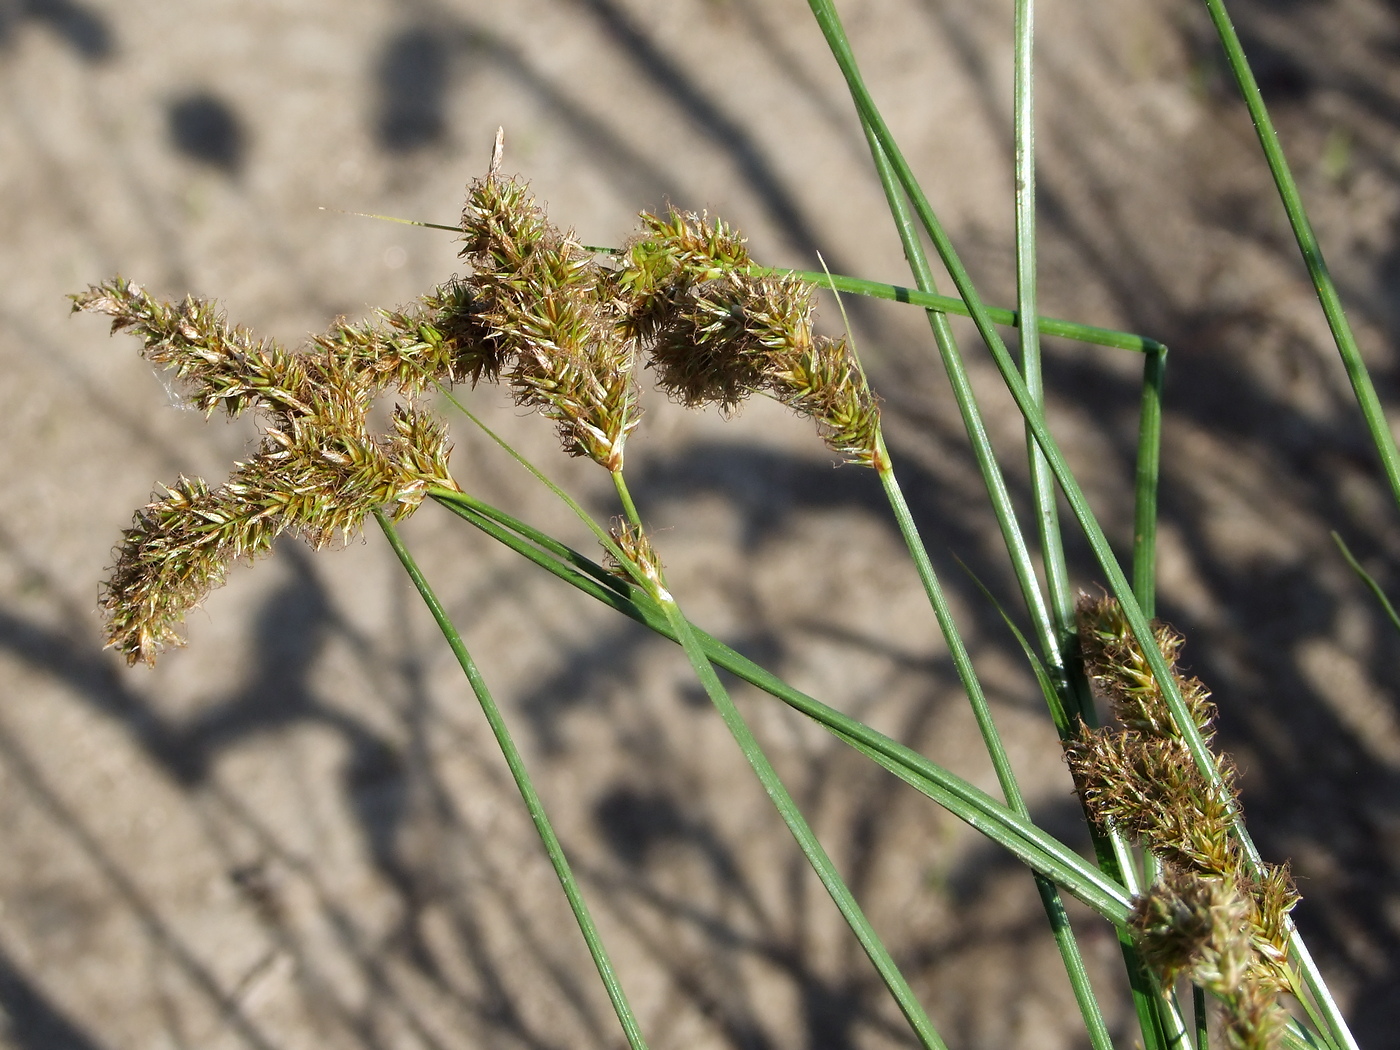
<point x="318" y="471"/>
<point x="551" y="316"/>
<point x="1206" y="916"/>
<point x="636" y="545"/>
<point x="716" y="333"/>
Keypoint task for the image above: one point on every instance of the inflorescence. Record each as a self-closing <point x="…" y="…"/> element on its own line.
<point x="564" y="330"/>
<point x="540" y="313"/>
<point x="1206" y="917"/>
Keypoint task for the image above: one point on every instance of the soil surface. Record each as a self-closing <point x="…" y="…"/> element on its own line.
<point x="297" y="832"/>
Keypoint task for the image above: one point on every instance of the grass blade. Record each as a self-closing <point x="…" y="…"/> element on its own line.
<point x="1367" y="579"/>
<point x="523" y="782"/>
<point x="949" y="304"/>
<point x="807" y="840"/>
<point x="820" y="861"/>
<point x="1041" y="852"/>
<point x="1323" y="284"/>
<point x="1117" y="582"/>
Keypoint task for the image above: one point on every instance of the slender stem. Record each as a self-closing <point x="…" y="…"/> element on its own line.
<point x="996" y="750"/>
<point x="1042" y="482"/>
<point x="1158" y="1015"/>
<point x="982" y="450"/>
<point x="1325" y="287"/>
<point x="1030" y="410"/>
<point x="601" y="533"/>
<point x="625" y="495"/>
<point x="1149" y="458"/>
<point x="1202" y="1019"/>
<point x="1112" y="850"/>
<point x="1032" y="846"/>
<point x="950" y="304"/>
<point x="1117" y="582"/>
<point x="962" y="662"/>
<point x="807" y="840"/>
<point x="1367" y="579"/>
<point x="521" y="775"/>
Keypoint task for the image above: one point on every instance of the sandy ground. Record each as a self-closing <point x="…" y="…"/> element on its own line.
<point x="296" y="833"/>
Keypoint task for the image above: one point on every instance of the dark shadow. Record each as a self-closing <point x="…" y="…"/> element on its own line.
<point x="127" y="888"/>
<point x="84" y="30"/>
<point x="710" y="119"/>
<point x="634" y="822"/>
<point x="206" y="129"/>
<point x="412" y="75"/>
<point x="30" y="1021"/>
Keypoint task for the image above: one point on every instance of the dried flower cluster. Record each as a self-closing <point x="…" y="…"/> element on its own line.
<point x="1205" y="918"/>
<point x="318" y="471"/>
<point x="717" y="333"/>
<point x="539" y="312"/>
<point x="552" y="319"/>
<point x="636" y="545"/>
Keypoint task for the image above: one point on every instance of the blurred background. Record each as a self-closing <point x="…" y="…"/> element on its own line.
<point x="297" y="831"/>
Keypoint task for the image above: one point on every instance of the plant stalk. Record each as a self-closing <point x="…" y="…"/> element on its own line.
<point x="631" y="1029"/>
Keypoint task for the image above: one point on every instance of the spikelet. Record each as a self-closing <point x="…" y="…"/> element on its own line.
<point x="1205" y="916"/>
<point x="717" y="333"/>
<point x="318" y="472"/>
<point x="538" y="312"/>
<point x="551" y="318"/>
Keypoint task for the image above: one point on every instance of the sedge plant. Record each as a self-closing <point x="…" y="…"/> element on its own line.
<point x="1203" y="921"/>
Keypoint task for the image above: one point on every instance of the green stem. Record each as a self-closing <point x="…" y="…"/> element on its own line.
<point x="518" y="771"/>
<point x="807" y="840"/>
<point x="1040" y="851"/>
<point x="1158" y="1015"/>
<point x="962" y="662"/>
<point x="1367" y="579"/>
<point x="601" y="533"/>
<point x="1149" y="458"/>
<point x="1030" y="410"/>
<point x="981" y="444"/>
<point x="1323" y="284"/>
<point x="996" y="750"/>
<point x="1042" y="482"/>
<point x="1112" y="850"/>
<point x="625" y="495"/>
<point x="1084" y="333"/>
<point x="1117" y="582"/>
<point x="949" y="304"/>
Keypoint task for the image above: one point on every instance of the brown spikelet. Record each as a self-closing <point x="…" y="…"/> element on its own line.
<point x="1205" y="917"/>
<point x="551" y="318"/>
<point x="636" y="545"/>
<point x="716" y="332"/>
<point x="319" y="471"/>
